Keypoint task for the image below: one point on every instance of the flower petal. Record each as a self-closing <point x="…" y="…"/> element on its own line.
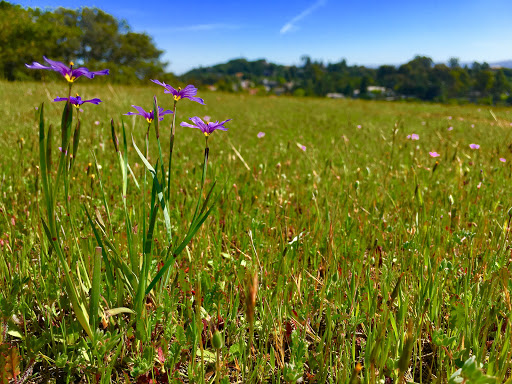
<point x="76" y="73"/>
<point x="57" y="65"/>
<point x="162" y="112"/>
<point x="197" y="100"/>
<point x="189" y="90"/>
<point x="140" y="110"/>
<point x="101" y="73"/>
<point x="200" y="124"/>
<point x="184" y="124"/>
<point x="36" y="65"/>
<point x="168" y="88"/>
<point x="92" y="101"/>
<point x="159" y="83"/>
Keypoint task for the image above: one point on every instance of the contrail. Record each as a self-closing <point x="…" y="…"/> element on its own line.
<point x="291" y="24"/>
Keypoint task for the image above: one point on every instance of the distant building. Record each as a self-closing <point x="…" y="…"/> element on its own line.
<point x="376" y="88"/>
<point x="246" y="84"/>
<point x="334" y="95"/>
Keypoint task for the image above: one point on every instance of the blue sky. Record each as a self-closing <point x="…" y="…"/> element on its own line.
<point x="367" y="32"/>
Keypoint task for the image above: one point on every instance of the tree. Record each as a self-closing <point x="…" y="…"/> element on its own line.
<point x="88" y="37"/>
<point x="363" y="86"/>
<point x="386" y="76"/>
<point x="460" y="84"/>
<point x="500" y="86"/>
<point x="453" y="62"/>
<point x="484" y="81"/>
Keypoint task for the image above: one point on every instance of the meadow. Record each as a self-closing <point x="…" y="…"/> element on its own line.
<point x="354" y="241"/>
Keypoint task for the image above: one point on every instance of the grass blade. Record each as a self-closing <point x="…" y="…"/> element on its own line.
<point x="192" y="231"/>
<point x="94" y="300"/>
<point x="160" y="193"/>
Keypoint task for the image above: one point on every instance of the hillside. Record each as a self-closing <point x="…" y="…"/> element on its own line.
<point x="419" y="78"/>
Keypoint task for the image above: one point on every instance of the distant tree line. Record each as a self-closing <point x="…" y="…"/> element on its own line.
<point x="90" y="37"/>
<point x="419" y="79"/>
<point x="87" y="36"/>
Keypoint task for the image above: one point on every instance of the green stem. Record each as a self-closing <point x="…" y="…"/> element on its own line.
<point x="171" y="146"/>
<point x="203" y="178"/>
<point x="195" y="224"/>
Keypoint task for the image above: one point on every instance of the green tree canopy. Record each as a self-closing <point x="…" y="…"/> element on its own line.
<point x="87" y="36"/>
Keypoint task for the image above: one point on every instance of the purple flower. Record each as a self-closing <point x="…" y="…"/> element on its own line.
<point x="301" y="147"/>
<point x="69" y="73"/>
<point x="77" y="100"/>
<point x="189" y="92"/>
<point x="503" y="160"/>
<point x="434" y="154"/>
<point x="413" y="136"/>
<point x="474" y="146"/>
<point x="149" y="116"/>
<point x="450" y="128"/>
<point x="206" y="128"/>
<point x="261" y="135"/>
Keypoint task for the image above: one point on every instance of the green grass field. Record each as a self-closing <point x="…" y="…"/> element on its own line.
<point x="359" y="259"/>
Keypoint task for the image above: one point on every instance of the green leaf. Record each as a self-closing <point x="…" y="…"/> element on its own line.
<point x="209" y="357"/>
<point x="440" y="339"/>
<point x="67" y="120"/>
<point x="76" y="139"/>
<point x="126" y="274"/>
<point x="471" y="373"/>
<point x="117" y="311"/>
<point x="94" y="300"/>
<point x="160" y="193"/>
<point x="43" y="160"/>
<point x="194" y="227"/>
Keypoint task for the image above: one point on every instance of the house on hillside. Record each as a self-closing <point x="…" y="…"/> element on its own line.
<point x="335" y="95"/>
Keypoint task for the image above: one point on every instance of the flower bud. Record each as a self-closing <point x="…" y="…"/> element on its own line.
<point x="217" y="340"/>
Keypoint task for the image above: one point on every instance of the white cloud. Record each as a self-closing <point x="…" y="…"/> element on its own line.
<point x="290" y="26"/>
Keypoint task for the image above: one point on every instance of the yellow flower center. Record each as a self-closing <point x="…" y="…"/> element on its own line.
<point x="149" y="119"/>
<point x="76" y="105"/>
<point x="178" y="97"/>
<point x="69" y="78"/>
